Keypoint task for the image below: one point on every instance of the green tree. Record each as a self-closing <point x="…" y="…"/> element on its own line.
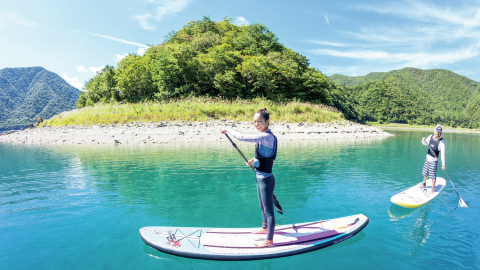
<point x="100" y="88"/>
<point x="134" y="77"/>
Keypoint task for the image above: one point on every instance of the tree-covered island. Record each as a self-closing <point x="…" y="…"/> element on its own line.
<point x="222" y="63"/>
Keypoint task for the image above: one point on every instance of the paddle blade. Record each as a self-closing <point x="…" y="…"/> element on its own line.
<point x="277" y="205"/>
<point x="461" y="203"/>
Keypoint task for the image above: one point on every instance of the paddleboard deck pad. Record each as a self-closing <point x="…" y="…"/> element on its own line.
<point x="239" y="244"/>
<point x="417" y="196"/>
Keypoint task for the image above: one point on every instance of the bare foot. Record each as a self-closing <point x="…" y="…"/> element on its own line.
<point x="261" y="231"/>
<point x="422" y="185"/>
<point x="267" y="243"/>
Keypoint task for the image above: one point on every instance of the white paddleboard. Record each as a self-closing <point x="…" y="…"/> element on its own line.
<point x="416" y="196"/>
<point x="234" y="244"/>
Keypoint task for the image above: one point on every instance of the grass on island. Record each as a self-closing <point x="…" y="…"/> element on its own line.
<point x="196" y="109"/>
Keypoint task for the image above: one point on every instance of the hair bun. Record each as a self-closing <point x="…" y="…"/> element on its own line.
<point x="264" y="113"/>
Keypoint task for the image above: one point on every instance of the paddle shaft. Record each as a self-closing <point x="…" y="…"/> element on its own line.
<point x="445" y="170"/>
<point x="275" y="201"/>
<point x="452" y="184"/>
<point x="238" y="150"/>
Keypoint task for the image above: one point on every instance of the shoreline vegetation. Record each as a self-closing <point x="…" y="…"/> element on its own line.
<point x="193" y="109"/>
<point x="197" y="120"/>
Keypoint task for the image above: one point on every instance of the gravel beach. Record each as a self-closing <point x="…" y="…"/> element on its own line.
<point x="186" y="132"/>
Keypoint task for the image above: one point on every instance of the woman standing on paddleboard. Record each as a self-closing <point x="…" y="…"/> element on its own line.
<point x="435" y="144"/>
<point x="265" y="154"/>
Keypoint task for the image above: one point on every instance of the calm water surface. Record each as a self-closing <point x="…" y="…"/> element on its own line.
<point x="80" y="207"/>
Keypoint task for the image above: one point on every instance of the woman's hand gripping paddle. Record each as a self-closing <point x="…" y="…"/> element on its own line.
<point x="461" y="202"/>
<point x="275" y="201"/>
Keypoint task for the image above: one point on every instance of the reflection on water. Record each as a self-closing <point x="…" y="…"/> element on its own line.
<point x="420" y="230"/>
<point x="397" y="212"/>
<point x="64" y="198"/>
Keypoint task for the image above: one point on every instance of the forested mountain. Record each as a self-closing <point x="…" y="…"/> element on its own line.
<point x="27" y="94"/>
<point x="413" y="95"/>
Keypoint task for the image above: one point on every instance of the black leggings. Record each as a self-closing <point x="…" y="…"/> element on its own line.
<point x="265" y="187"/>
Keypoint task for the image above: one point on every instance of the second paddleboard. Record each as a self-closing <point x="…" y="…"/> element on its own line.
<point x="417" y="196"/>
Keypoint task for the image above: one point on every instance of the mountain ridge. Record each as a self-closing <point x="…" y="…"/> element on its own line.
<point x="416" y="96"/>
<point x="29" y="93"/>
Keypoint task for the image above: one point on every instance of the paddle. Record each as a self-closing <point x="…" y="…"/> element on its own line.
<point x="461" y="202"/>
<point x="275" y="201"/>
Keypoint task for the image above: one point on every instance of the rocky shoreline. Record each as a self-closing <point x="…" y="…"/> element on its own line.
<point x="185" y="132"/>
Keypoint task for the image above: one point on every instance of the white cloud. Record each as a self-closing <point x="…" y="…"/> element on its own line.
<point x="82" y="69"/>
<point x="327" y="43"/>
<point x="350" y="70"/>
<point x="141" y="51"/>
<point x="353" y="54"/>
<point x="414" y="59"/>
<point x="468" y="16"/>
<point x="163" y="7"/>
<point x="418" y="35"/>
<point x="326" y="19"/>
<point x="241" y="21"/>
<point x="143" y="21"/>
<point x="119" y="57"/>
<point x="73" y="81"/>
<point x="96" y="69"/>
<point x="121" y="40"/>
<point x="13" y="17"/>
<point x="18" y="19"/>
<point x="425" y="35"/>
<point x="434" y="23"/>
<point x="143" y="48"/>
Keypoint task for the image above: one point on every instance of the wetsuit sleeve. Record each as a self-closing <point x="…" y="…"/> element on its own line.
<point x="261" y="137"/>
<point x="441" y="147"/>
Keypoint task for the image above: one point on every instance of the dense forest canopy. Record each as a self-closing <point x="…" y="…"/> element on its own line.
<point x="27" y="94"/>
<point x="214" y="59"/>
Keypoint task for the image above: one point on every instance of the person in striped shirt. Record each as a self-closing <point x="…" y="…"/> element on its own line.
<point x="436" y="145"/>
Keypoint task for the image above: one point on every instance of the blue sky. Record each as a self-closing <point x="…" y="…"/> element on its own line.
<point x="76" y="38"/>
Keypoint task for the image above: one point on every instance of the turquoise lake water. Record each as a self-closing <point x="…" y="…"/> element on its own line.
<point x="80" y="207"/>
